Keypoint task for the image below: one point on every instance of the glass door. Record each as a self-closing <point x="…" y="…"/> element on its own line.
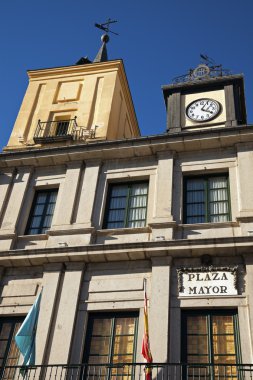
<point x="210" y="344"/>
<point x="9" y="353"/>
<point x="111" y="342"/>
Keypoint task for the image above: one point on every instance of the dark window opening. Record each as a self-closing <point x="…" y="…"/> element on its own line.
<point x="62" y="127"/>
<point x="42" y="212"/>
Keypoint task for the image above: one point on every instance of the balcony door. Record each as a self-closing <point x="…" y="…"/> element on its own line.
<point x="210" y="337"/>
<point x="111" y="341"/>
<point x="9" y="353"/>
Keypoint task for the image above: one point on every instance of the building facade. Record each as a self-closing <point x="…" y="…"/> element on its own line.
<point x="89" y="210"/>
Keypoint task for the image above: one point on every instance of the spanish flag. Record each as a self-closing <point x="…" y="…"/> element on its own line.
<point x="145" y="350"/>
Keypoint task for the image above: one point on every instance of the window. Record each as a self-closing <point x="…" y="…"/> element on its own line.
<point x="62" y="127"/>
<point x="42" y="212"/>
<point x="210" y="337"/>
<point x="111" y="338"/>
<point x="9" y="353"/>
<point x="126" y="205"/>
<point x="206" y="199"/>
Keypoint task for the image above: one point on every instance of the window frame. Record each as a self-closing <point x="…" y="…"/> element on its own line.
<point x="129" y="184"/>
<point x="210" y="313"/>
<point x="205" y="178"/>
<point x="35" y="196"/>
<point x="103" y="315"/>
<point x="14" y="321"/>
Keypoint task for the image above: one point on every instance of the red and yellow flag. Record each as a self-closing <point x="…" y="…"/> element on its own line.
<point x="145" y="349"/>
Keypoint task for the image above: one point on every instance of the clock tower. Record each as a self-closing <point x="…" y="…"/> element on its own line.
<point x="207" y="97"/>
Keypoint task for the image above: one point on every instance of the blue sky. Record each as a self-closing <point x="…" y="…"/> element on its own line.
<point x="158" y="40"/>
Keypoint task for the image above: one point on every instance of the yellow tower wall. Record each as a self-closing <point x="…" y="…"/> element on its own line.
<point x="96" y="94"/>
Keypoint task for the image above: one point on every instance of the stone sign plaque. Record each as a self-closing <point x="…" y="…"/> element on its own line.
<point x="210" y="281"/>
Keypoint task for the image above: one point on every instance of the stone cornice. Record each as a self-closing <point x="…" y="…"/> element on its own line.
<point x="74" y="69"/>
<point x="218" y="138"/>
<point x="233" y="246"/>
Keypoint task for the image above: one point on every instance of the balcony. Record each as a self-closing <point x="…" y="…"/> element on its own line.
<point x="61" y="130"/>
<point x="130" y="371"/>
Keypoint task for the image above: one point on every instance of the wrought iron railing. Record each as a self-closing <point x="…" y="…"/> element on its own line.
<point x="59" y="130"/>
<point x="129" y="371"/>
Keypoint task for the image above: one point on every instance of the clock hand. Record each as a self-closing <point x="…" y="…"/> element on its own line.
<point x="202" y="109"/>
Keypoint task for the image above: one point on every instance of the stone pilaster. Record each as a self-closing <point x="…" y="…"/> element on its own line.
<point x="66" y="314"/>
<point x="20" y="186"/>
<point x="88" y="193"/>
<point x="50" y="286"/>
<point x="67" y="196"/>
<point x="159" y="308"/>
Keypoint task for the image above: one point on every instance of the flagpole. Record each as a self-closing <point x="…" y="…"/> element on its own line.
<point x="145" y="350"/>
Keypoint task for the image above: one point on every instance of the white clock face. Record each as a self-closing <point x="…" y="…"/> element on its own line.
<point x="203" y="110"/>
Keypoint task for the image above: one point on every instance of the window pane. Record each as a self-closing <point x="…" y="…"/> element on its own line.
<point x="116" y="215"/>
<point x="35" y="222"/>
<point x="119" y="190"/>
<point x="223" y="324"/>
<point x="3" y="346"/>
<point x="195" y="196"/>
<point x="38" y="210"/>
<point x="197" y="344"/>
<point x="47" y="221"/>
<point x="5" y="330"/>
<point x="139" y="201"/>
<point x="139" y="189"/>
<point x="219" y="208"/>
<point x="218" y="195"/>
<point x="49" y="209"/>
<point x="100" y="346"/>
<point x="102" y="326"/>
<point x="217" y="182"/>
<point x="224" y="344"/>
<point x="195" y="184"/>
<point x="137" y="214"/>
<point x="115" y="225"/>
<point x="197" y="324"/>
<point x="119" y="202"/>
<point x="123" y="345"/>
<point x="41" y="197"/>
<point x="195" y="209"/>
<point x="197" y="359"/>
<point x="219" y="218"/>
<point x="98" y="360"/>
<point x="136" y="224"/>
<point x="124" y="326"/>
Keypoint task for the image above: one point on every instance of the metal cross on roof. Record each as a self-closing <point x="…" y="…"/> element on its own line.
<point x="106" y="26"/>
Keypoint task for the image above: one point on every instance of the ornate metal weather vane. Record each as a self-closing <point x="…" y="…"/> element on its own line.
<point x="106" y="26"/>
<point x="206" y="69"/>
<point x="102" y="54"/>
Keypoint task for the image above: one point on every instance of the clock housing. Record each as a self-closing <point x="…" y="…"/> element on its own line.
<point x="227" y="91"/>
